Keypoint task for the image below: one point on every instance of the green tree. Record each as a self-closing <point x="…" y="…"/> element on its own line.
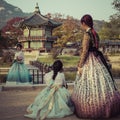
<point x="69" y="32"/>
<point x="111" y="29"/>
<point x="116" y="4"/>
<point x="115" y="19"/>
<point x="115" y="25"/>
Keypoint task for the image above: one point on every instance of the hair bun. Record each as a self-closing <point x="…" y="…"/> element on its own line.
<point x="19" y="45"/>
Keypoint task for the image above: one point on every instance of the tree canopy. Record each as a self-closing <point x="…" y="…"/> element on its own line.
<point x="111" y="29"/>
<point x="70" y="30"/>
<point x="116" y="4"/>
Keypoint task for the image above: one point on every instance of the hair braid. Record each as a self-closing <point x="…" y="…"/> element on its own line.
<point x="57" y="67"/>
<point x="87" y="19"/>
<point x="55" y="74"/>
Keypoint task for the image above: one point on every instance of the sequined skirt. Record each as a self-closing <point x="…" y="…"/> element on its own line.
<point x="95" y="94"/>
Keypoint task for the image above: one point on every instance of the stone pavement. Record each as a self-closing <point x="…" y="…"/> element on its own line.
<point x="14" y="101"/>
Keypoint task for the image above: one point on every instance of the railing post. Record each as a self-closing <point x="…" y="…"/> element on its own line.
<point x="33" y="76"/>
<point x="42" y="72"/>
<point x="38" y="76"/>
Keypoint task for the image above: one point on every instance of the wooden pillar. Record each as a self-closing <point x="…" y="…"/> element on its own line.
<point x="28" y="44"/>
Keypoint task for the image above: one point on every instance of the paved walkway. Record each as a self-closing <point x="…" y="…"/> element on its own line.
<point x="13" y="103"/>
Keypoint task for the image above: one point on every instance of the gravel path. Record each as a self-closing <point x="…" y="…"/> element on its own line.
<point x="13" y="104"/>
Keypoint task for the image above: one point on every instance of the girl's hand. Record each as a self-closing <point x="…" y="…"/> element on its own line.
<point x="79" y="70"/>
<point x="19" y="58"/>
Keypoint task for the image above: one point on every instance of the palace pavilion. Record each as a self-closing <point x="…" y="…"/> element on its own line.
<point x="37" y="32"/>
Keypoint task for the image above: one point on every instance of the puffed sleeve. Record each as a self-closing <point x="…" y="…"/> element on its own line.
<point x="48" y="78"/>
<point x="21" y="56"/>
<point x="85" y="47"/>
<point x="15" y="57"/>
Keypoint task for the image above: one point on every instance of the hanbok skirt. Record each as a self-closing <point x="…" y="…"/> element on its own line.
<point x="51" y="103"/>
<point x="95" y="93"/>
<point x="18" y="74"/>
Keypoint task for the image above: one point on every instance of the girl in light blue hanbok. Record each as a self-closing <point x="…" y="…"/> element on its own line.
<point x="53" y="101"/>
<point x="18" y="73"/>
<point x="95" y="93"/>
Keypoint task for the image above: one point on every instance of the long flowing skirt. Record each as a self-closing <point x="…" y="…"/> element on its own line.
<point x="51" y="103"/>
<point x="18" y="74"/>
<point x="95" y="94"/>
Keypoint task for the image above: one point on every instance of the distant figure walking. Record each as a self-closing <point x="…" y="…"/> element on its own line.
<point x="54" y="100"/>
<point x="18" y="73"/>
<point x="95" y="94"/>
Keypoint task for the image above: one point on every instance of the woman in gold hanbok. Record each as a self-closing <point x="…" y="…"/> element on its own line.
<point x="95" y="94"/>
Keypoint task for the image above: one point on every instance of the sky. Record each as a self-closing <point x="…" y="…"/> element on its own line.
<point x="99" y="9"/>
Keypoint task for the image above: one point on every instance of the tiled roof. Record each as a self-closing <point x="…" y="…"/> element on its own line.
<point x="37" y="20"/>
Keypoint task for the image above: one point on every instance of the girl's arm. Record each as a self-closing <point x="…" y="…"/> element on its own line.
<point x="64" y="82"/>
<point x="85" y="48"/>
<point x="47" y="79"/>
<point x="20" y="57"/>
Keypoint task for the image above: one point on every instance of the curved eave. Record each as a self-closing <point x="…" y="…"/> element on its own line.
<point x="37" y="20"/>
<point x="54" y="24"/>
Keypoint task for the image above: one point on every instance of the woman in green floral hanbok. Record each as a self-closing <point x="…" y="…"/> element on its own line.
<point x="18" y="73"/>
<point x="53" y="101"/>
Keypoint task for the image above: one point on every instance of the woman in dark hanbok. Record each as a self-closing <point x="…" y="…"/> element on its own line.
<point x="95" y="94"/>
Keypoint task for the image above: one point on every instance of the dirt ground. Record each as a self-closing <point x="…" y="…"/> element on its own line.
<point x="13" y="104"/>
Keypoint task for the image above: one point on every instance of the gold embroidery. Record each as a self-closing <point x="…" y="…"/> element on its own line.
<point x="85" y="47"/>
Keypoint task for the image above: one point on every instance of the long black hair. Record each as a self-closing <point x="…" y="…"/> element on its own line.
<point x="57" y="67"/>
<point x="19" y="45"/>
<point x="88" y="20"/>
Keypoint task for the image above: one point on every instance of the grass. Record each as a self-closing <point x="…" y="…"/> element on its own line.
<point x="70" y="76"/>
<point x="71" y="61"/>
<point x="115" y="61"/>
<point x="68" y="61"/>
